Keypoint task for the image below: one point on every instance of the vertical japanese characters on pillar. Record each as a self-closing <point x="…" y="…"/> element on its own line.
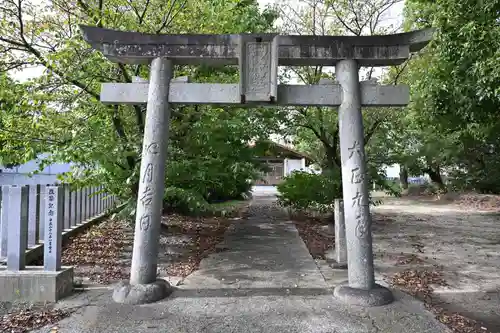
<point x="151" y="181"/>
<point x="51" y="212"/>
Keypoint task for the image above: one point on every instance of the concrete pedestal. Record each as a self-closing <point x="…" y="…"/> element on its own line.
<point x="35" y="285"/>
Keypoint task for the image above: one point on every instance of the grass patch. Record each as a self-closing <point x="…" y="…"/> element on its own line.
<point x="230" y="208"/>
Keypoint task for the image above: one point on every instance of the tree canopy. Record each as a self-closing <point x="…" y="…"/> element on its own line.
<point x="450" y="126"/>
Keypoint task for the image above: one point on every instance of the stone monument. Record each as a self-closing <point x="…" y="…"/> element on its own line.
<point x="258" y="57"/>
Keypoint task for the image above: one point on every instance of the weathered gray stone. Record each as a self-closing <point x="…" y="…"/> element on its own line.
<point x="152" y="177"/>
<point x="376" y="296"/>
<point x="127" y="293"/>
<point x="67" y="202"/>
<point x="33" y="209"/>
<point x="79" y="206"/>
<point x="228" y="94"/>
<point x="35" y="285"/>
<point x="73" y="209"/>
<point x="17" y="228"/>
<point x="4" y="220"/>
<point x="54" y="208"/>
<point x="41" y="204"/>
<point x="140" y="48"/>
<point x="86" y="203"/>
<point x="355" y="182"/>
<point x="258" y="69"/>
<point x="337" y="258"/>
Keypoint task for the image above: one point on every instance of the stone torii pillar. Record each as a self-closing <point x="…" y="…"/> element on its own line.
<point x="143" y="286"/>
<point x="258" y="57"/>
<point x="361" y="288"/>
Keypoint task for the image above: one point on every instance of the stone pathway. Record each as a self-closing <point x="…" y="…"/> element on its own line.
<point x="262" y="279"/>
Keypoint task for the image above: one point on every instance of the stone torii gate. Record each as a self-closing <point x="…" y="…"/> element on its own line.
<point x="258" y="57"/>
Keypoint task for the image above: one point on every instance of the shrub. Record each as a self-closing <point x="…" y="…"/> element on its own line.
<point x="183" y="201"/>
<point x="303" y="191"/>
<point x="212" y="180"/>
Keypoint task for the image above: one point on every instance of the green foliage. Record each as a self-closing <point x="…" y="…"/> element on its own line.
<point x="453" y="118"/>
<point x="304" y="191"/>
<point x="184" y="201"/>
<point x="60" y="112"/>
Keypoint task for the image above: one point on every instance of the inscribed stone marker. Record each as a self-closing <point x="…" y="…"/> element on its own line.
<point x="54" y="208"/>
<point x="151" y="187"/>
<point x="361" y="288"/>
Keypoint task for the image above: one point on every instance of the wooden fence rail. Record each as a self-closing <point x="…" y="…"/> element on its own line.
<point x="39" y="214"/>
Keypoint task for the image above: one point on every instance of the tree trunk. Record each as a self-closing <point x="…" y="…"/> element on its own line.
<point x="435" y="176"/>
<point x="403" y="177"/>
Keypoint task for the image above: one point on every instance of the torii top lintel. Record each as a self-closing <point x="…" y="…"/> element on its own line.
<point x="293" y="50"/>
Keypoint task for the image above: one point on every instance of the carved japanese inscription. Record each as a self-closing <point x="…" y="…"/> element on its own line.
<point x="357" y="176"/>
<point x="258" y="70"/>
<point x="356" y="200"/>
<point x="148" y="174"/>
<point x="361" y="227"/>
<point x="147" y="196"/>
<point x="152" y="148"/>
<point x="145" y="222"/>
<point x="355" y="149"/>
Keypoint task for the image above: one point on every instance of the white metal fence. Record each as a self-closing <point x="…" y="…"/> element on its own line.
<point x="35" y="214"/>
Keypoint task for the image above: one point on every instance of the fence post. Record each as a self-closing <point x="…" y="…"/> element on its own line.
<point x="73" y="203"/>
<point x="101" y="203"/>
<point x="4" y="220"/>
<point x="33" y="209"/>
<point x="18" y="228"/>
<point x="84" y="204"/>
<point x="41" y="226"/>
<point x="79" y="207"/>
<point x="94" y="201"/>
<point x="67" y="203"/>
<point x="89" y="202"/>
<point x="54" y="208"/>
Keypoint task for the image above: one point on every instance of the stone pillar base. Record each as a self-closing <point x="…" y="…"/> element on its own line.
<point x="331" y="260"/>
<point x="376" y="296"/>
<point x="127" y="293"/>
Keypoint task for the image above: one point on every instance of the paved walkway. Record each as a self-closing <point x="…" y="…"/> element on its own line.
<point x="262" y="280"/>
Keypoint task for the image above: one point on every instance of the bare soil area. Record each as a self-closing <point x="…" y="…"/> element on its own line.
<point x="445" y="251"/>
<point x="452" y="245"/>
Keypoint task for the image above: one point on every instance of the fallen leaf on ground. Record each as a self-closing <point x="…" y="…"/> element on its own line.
<point x="418" y="283"/>
<point x="99" y="247"/>
<point x="409" y="259"/>
<point x="205" y="234"/>
<point x="29" y="319"/>
<point x="486" y="202"/>
<point x="315" y="239"/>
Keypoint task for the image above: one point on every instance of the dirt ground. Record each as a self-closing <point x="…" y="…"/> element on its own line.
<point x="460" y="240"/>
